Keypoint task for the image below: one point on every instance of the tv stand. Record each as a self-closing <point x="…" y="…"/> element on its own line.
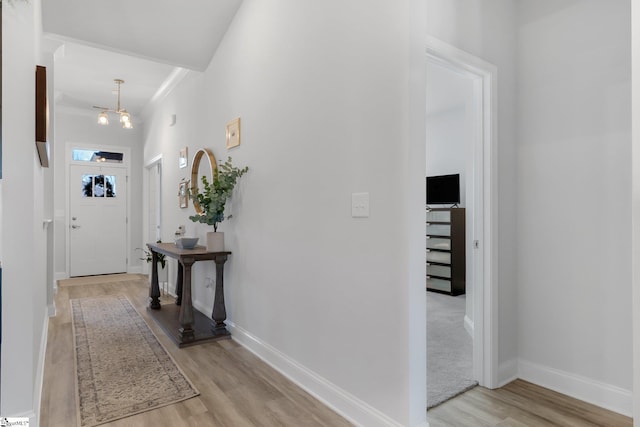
<point x="446" y="252"/>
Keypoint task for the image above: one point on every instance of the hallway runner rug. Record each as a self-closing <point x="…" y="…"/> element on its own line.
<point x="121" y="367"/>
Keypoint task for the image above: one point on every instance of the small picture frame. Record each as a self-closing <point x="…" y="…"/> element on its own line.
<point x="183" y="158"/>
<point x="233" y="133"/>
<point x="183" y="194"/>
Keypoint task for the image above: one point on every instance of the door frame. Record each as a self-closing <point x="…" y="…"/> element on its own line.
<point x="635" y="206"/>
<point x="126" y="165"/>
<point x="485" y="294"/>
<point x="155" y="162"/>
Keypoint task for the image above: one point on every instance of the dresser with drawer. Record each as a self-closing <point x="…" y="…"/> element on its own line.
<point x="446" y="263"/>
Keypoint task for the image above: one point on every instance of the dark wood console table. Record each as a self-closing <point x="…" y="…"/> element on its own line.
<point x="184" y="324"/>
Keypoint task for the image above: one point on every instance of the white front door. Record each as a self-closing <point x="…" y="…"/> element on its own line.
<point x="98" y="220"/>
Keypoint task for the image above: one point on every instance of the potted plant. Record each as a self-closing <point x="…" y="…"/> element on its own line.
<point x="162" y="271"/>
<point x="212" y="200"/>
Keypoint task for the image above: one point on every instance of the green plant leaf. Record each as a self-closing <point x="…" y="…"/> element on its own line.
<point x="213" y="197"/>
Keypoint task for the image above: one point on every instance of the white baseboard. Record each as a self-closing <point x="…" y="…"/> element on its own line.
<point x="468" y="326"/>
<point x="606" y="396"/>
<point x="37" y="392"/>
<point x="135" y="269"/>
<point x="51" y="308"/>
<point x="344" y="403"/>
<point x="507" y="372"/>
<point x="60" y="275"/>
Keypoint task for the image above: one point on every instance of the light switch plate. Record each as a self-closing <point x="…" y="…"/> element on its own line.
<point x="360" y="205"/>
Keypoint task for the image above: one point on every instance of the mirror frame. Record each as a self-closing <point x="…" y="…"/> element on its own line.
<point x="195" y="168"/>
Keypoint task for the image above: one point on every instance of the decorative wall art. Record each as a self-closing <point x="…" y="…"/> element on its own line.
<point x="183" y="194"/>
<point x="183" y="158"/>
<point x="233" y="133"/>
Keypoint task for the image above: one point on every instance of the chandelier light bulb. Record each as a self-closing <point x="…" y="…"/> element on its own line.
<point x="125" y="117"/>
<point x="103" y="118"/>
<point x="127" y="125"/>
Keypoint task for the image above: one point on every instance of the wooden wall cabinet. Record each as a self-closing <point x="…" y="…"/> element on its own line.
<point x="42" y="116"/>
<point x="446" y="265"/>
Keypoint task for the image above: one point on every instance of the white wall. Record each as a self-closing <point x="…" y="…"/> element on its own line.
<point x="449" y="125"/>
<point x="324" y="113"/>
<point x="446" y="136"/>
<point x="79" y="128"/>
<point x="24" y="310"/>
<point x="486" y="29"/>
<point x="574" y="210"/>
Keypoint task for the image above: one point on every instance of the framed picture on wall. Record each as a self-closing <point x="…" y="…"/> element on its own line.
<point x="183" y="159"/>
<point x="233" y="133"/>
<point x="183" y="194"/>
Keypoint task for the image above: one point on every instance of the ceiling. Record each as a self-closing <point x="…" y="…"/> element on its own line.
<point x="141" y="42"/>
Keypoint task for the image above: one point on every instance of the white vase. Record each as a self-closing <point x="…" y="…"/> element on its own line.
<point x="215" y="241"/>
<point x="163" y="273"/>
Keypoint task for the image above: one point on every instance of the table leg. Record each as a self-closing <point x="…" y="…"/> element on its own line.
<point x="186" y="332"/>
<point x="219" y="313"/>
<point x="179" y="279"/>
<point x="154" y="291"/>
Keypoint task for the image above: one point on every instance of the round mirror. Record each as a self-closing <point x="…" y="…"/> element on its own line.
<point x="195" y="174"/>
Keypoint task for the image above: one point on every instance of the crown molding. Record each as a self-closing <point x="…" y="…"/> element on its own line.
<point x="170" y="83"/>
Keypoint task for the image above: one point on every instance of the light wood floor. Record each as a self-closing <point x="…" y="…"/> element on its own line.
<point x="238" y="389"/>
<point x="521" y="404"/>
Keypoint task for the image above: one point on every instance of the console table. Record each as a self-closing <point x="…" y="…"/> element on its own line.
<point x="182" y="322"/>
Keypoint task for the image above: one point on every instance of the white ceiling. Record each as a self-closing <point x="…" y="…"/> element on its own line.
<point x="141" y="42"/>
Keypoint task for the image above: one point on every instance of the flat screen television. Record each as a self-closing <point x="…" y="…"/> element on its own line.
<point x="443" y="189"/>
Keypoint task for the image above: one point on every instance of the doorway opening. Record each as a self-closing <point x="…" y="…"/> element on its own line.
<point x="474" y="107"/>
<point x="153" y="230"/>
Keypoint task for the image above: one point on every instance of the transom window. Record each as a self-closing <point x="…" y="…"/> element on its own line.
<point x="83" y="155"/>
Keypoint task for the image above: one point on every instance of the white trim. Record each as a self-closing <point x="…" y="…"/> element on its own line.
<point x="344" y="403"/>
<point x="67" y="39"/>
<point x="37" y="391"/>
<point x="126" y="165"/>
<point x="485" y="354"/>
<point x="635" y="200"/>
<point x="508" y="372"/>
<point x="468" y="325"/>
<point x="60" y="275"/>
<point x="168" y="85"/>
<point x="154" y="160"/>
<point x="51" y="309"/>
<point x="604" y="395"/>
<point x="136" y="269"/>
<point x="155" y="164"/>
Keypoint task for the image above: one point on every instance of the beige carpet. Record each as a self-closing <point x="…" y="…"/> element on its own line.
<point x="449" y="349"/>
<point x="121" y="367"/>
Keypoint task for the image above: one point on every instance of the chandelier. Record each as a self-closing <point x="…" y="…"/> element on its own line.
<point x="125" y="117"/>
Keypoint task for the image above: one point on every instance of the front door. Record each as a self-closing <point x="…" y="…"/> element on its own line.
<point x="98" y="220"/>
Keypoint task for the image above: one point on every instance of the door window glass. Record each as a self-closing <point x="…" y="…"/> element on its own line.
<point x="98" y="185"/>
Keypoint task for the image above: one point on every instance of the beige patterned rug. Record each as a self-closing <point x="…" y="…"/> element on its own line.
<point x="121" y="367"/>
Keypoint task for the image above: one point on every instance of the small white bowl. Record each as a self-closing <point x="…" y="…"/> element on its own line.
<point x="186" y="242"/>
